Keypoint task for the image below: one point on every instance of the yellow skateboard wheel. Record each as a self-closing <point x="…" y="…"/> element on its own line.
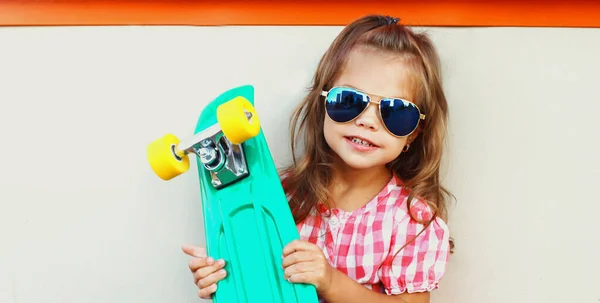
<point x="164" y="158"/>
<point x="238" y="120"/>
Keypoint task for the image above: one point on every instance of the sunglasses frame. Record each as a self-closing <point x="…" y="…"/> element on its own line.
<point x="325" y="93"/>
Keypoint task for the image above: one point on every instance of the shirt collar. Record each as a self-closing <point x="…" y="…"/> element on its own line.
<point x="394" y="183"/>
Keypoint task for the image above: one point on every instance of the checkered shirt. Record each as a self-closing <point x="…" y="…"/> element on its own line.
<point x="362" y="243"/>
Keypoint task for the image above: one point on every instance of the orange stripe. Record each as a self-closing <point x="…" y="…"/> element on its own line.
<point x="576" y="13"/>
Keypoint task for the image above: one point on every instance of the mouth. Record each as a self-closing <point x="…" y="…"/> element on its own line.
<point x="360" y="141"/>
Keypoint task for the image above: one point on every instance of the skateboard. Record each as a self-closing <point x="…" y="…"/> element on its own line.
<point x="247" y="220"/>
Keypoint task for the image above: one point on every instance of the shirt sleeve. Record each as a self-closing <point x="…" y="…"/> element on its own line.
<point x="420" y="265"/>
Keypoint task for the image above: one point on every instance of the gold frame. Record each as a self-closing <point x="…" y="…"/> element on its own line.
<point x="324" y="93"/>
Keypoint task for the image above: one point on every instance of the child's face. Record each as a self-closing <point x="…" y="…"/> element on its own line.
<point x="376" y="73"/>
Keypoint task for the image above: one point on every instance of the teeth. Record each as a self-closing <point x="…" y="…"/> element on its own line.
<point x="362" y="142"/>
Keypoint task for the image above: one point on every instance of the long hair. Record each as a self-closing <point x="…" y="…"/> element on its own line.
<point x="308" y="178"/>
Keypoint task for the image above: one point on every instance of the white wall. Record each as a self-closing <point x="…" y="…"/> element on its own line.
<point x="83" y="219"/>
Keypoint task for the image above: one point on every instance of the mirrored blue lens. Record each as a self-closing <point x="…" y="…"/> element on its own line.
<point x="399" y="116"/>
<point x="344" y="104"/>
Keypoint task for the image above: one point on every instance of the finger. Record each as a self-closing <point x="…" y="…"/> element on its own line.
<point x="196" y="263"/>
<point x="298" y="245"/>
<point x="303" y="277"/>
<point x="194" y="251"/>
<point x="298" y="256"/>
<point x="302" y="267"/>
<point x="205" y="271"/>
<point x="206" y="293"/>
<point x="212" y="279"/>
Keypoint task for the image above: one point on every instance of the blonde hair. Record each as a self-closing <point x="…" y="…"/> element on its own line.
<point x="308" y="179"/>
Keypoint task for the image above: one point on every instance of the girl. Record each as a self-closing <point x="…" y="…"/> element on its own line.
<point x="366" y="195"/>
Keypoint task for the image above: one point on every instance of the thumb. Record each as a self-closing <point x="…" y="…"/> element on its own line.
<point x="194" y="251"/>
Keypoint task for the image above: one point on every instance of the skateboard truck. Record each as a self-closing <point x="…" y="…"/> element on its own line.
<point x="218" y="146"/>
<point x="224" y="160"/>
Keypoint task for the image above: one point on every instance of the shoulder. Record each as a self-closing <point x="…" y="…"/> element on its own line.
<point x="419" y="248"/>
<point x="410" y="219"/>
<point x="396" y="197"/>
<point x="415" y="227"/>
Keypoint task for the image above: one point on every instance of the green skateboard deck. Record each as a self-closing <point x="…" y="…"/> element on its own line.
<point x="247" y="219"/>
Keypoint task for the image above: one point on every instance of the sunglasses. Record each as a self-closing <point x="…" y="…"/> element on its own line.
<point x="344" y="104"/>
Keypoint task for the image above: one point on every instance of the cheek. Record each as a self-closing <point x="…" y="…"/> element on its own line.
<point x="396" y="144"/>
<point x="328" y="132"/>
<point x="330" y="129"/>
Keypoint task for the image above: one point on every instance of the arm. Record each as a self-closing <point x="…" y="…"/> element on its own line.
<point x="304" y="262"/>
<point x="343" y="289"/>
<point x="408" y="277"/>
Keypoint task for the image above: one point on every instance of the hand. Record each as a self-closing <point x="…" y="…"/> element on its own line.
<point x="206" y="271"/>
<point x="304" y="262"/>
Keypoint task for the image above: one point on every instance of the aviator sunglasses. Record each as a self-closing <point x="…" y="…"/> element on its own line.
<point x="344" y="104"/>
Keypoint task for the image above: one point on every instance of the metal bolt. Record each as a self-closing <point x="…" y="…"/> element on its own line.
<point x="207" y="155"/>
<point x="207" y="143"/>
<point x="248" y="115"/>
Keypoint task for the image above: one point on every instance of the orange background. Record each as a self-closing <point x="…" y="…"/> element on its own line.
<point x="574" y="13"/>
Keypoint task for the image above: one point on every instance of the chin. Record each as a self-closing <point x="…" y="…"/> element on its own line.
<point x="359" y="163"/>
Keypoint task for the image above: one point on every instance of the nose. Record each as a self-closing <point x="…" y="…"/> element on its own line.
<point x="369" y="118"/>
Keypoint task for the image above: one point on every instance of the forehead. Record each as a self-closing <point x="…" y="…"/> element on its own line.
<point x="379" y="73"/>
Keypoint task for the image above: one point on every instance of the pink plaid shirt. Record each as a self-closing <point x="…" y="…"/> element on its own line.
<point x="362" y="243"/>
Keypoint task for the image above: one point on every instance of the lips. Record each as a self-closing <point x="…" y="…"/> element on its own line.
<point x="361" y="141"/>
